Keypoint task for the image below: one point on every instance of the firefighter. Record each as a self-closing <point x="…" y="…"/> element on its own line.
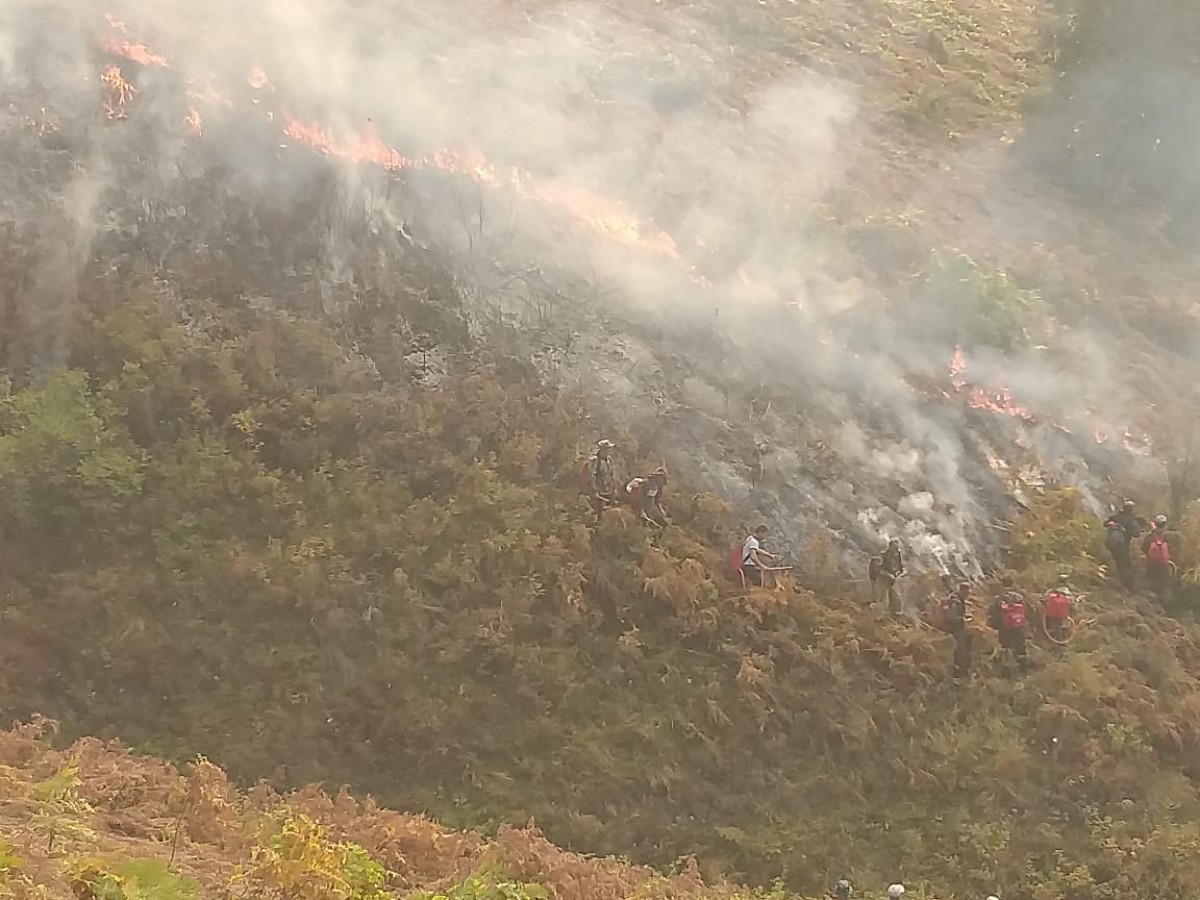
<point x="1007" y="616"/>
<point x="602" y="477"/>
<point x="646" y="495"/>
<point x="755" y="560"/>
<point x="956" y="619"/>
<point x="1060" y="602"/>
<point x="1121" y="528"/>
<point x="884" y="572"/>
<point x="1159" y="547"/>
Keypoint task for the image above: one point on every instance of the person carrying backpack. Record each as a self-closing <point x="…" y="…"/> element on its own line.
<point x="1060" y="603"/>
<point x="645" y="496"/>
<point x="755" y="558"/>
<point x="1007" y="616"/>
<point x="1160" y="564"/>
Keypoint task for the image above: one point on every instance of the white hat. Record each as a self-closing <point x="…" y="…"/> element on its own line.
<point x="896" y="890"/>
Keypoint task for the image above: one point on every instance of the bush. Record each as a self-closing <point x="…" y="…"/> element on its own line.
<point x="979" y="307"/>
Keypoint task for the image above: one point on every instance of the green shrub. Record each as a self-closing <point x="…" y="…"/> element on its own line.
<point x="300" y="860"/>
<point x="983" y="307"/>
<point x="484" y="887"/>
<point x="133" y="879"/>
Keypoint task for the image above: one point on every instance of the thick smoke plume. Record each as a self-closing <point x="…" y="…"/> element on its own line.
<point x="643" y="200"/>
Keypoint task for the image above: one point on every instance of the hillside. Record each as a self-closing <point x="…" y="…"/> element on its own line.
<point x="99" y="822"/>
<point x="252" y="556"/>
<point x="308" y="322"/>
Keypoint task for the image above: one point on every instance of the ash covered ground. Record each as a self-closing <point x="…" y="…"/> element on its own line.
<point x="568" y="176"/>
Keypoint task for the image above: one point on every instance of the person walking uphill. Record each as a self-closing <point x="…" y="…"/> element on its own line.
<point x="646" y="495"/>
<point x="754" y="558"/>
<point x="884" y="571"/>
<point x="1158" y="545"/>
<point x="954" y="619"/>
<point x="601" y="477"/>
<point x="1007" y="616"/>
<point x="1060" y="603"/>
<point x="1121" y="528"/>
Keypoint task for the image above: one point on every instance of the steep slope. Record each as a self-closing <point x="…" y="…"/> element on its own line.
<point x="291" y="440"/>
<point x="271" y="555"/>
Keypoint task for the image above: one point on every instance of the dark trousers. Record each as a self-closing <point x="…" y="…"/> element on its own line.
<point x="962" y="652"/>
<point x="1013" y="642"/>
<point x="1124" y="565"/>
<point x="753" y="575"/>
<point x="1161" y="578"/>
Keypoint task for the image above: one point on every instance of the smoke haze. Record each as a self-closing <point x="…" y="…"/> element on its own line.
<point x="644" y="196"/>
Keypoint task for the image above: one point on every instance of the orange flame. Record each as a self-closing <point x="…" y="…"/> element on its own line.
<point x="195" y="123"/>
<point x="997" y="399"/>
<point x="117" y="92"/>
<point x="602" y="215"/>
<point x="366" y="147"/>
<point x="958" y="365"/>
<point x="138" y="53"/>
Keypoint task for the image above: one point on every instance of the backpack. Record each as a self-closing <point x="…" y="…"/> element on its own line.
<point x="634" y="490"/>
<point x="943" y="620"/>
<point x="1159" y="551"/>
<point x="735" y="560"/>
<point x="873" y="568"/>
<point x="1013" y="615"/>
<point x="1058" y="606"/>
<point x="585" y="474"/>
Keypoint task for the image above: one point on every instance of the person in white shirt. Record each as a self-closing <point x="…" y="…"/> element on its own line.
<point x="755" y="558"/>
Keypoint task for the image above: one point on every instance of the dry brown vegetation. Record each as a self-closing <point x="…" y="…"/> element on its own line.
<point x="71" y="821"/>
<point x="226" y="533"/>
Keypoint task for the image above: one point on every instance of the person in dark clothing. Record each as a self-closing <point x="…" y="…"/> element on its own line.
<point x="602" y="477"/>
<point x="1122" y="527"/>
<point x="884" y="572"/>
<point x="1128" y="520"/>
<point x="1007" y="616"/>
<point x="1159" y="548"/>
<point x="956" y="623"/>
<point x="647" y="495"/>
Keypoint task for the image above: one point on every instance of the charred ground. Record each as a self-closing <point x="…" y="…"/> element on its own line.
<point x="292" y="442"/>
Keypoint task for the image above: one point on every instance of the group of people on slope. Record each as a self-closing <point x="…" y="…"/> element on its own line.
<point x="644" y="493"/>
<point x="1007" y="613"/>
<point x="1159" y="546"/>
<point x="1008" y="616"/>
